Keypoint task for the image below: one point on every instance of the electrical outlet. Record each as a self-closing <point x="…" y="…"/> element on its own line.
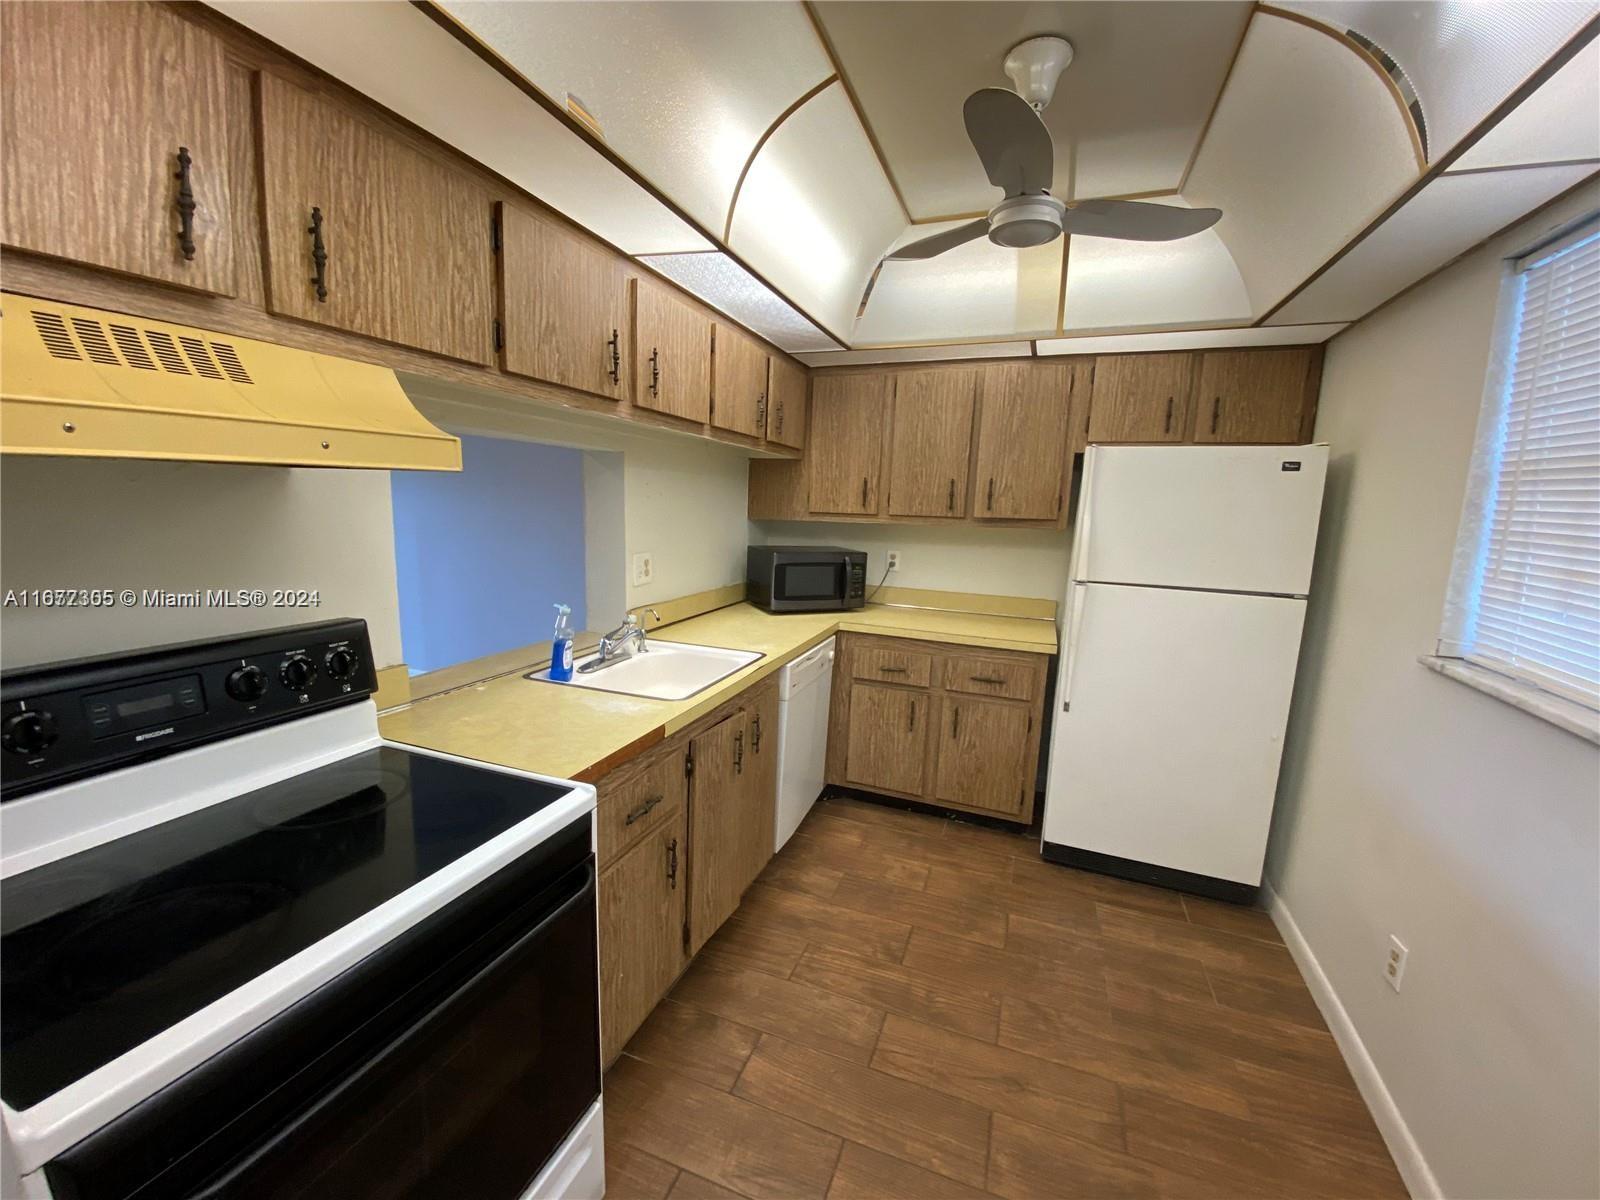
<point x="1394" y="967"/>
<point x="644" y="570"/>
<point x="893" y="560"/>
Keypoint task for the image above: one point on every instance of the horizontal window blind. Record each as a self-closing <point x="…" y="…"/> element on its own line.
<point x="1537" y="606"/>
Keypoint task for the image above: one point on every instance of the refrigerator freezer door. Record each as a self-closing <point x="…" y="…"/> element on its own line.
<point x="1228" y="518"/>
<point x="1168" y="752"/>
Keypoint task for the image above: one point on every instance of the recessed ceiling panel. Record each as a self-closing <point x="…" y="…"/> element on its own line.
<point x="682" y="91"/>
<point x="1191" y="339"/>
<point x="1463" y="57"/>
<point x="1113" y="284"/>
<point x="1307" y="145"/>
<point x="815" y="211"/>
<point x="728" y="287"/>
<point x="978" y="290"/>
<point x="385" y="50"/>
<point x="1448" y="217"/>
<point x="1126" y="115"/>
<point x="901" y="354"/>
<point x="1559" y="122"/>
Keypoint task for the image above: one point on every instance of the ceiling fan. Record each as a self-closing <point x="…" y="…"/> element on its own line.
<point x="1019" y="158"/>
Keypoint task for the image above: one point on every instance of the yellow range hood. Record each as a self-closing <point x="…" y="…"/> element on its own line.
<point x="82" y="383"/>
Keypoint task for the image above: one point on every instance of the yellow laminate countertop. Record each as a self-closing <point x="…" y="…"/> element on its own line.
<point x="578" y="733"/>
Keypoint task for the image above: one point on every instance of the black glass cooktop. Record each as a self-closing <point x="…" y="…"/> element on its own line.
<point x="103" y="950"/>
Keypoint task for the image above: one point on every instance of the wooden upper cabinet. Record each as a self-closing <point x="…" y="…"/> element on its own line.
<point x="1024" y="440"/>
<point x="930" y="443"/>
<point x="786" y="403"/>
<point x="847" y="414"/>
<point x="563" y="305"/>
<point x="102" y="104"/>
<point x="887" y="737"/>
<point x="1255" y="395"/>
<point x="1141" y="398"/>
<point x="738" y="381"/>
<point x="368" y="233"/>
<point x="982" y="759"/>
<point x="672" y="354"/>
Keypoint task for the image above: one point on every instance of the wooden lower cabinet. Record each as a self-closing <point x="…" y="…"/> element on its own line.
<point x="960" y="728"/>
<point x="681" y="833"/>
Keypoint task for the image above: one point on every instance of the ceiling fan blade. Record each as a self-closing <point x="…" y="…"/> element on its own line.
<point x="1136" y="221"/>
<point x="940" y="242"/>
<point x="1017" y="153"/>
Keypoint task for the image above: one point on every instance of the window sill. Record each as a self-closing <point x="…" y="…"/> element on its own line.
<point x="1566" y="714"/>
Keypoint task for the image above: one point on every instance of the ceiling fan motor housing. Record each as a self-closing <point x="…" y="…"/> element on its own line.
<point x="1022" y="221"/>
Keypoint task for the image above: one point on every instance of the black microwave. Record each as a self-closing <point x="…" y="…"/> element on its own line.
<point x="806" y="578"/>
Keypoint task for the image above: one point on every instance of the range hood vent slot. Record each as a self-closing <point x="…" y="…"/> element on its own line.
<point x="81" y="382"/>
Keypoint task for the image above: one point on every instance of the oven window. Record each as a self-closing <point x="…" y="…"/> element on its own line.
<point x="809" y="581"/>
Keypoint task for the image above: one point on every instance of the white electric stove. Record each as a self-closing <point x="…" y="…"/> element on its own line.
<point x="249" y="948"/>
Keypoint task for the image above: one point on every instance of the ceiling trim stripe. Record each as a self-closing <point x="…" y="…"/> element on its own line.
<point x="530" y="89"/>
<point x="866" y="292"/>
<point x="1061" y="296"/>
<point x="1216" y="103"/>
<point x="1344" y="39"/>
<point x="1527" y="166"/>
<point x="733" y="200"/>
<point x="1521" y="92"/>
<point x="855" y="105"/>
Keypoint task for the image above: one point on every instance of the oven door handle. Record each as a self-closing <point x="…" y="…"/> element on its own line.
<point x="581" y="891"/>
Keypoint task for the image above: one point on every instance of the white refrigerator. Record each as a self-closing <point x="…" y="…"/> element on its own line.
<point x="1182" y="622"/>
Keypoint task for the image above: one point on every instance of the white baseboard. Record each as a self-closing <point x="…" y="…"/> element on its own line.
<point x="1413" y="1167"/>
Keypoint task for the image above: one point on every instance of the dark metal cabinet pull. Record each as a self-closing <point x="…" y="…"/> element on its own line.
<point x="986" y="679"/>
<point x="186" y="205"/>
<point x="863" y="491"/>
<point x="1167" y="428"/>
<point x="755" y="734"/>
<point x="990" y="502"/>
<point x="911" y="726"/>
<point x="1216" y="411"/>
<point x="738" y="753"/>
<point x="614" y="346"/>
<point x="643" y="810"/>
<point x="780" y="416"/>
<point x="950" y="498"/>
<point x="672" y="863"/>
<point x="761" y="411"/>
<point x="892" y="670"/>
<point x="955" y="722"/>
<point x="655" y="371"/>
<point x="319" y="255"/>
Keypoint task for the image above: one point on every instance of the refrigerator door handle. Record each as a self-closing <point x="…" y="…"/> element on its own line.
<point x="1079" y="595"/>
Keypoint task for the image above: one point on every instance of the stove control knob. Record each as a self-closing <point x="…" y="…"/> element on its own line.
<point x="29" y="733"/>
<point x="297" y="673"/>
<point x="247" y="684"/>
<point x="341" y="663"/>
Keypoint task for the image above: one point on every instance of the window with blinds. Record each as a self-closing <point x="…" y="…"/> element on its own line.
<point x="1531" y="603"/>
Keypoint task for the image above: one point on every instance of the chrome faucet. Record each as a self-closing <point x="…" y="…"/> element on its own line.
<point x="614" y="644"/>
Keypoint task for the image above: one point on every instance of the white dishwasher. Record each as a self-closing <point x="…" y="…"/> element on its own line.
<point x="804" y="688"/>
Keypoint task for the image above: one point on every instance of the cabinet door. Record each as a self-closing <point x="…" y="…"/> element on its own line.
<point x="738" y="382"/>
<point x="847" y="442"/>
<point x="1252" y="395"/>
<point x="718" y="799"/>
<point x="1140" y="397"/>
<point x="887" y="739"/>
<point x="641" y="930"/>
<point x="1024" y="431"/>
<point x="761" y="776"/>
<point x="930" y="443"/>
<point x="406" y="239"/>
<point x="563" y="305"/>
<point x="786" y="404"/>
<point x="982" y="747"/>
<point x="672" y="354"/>
<point x="100" y="104"/>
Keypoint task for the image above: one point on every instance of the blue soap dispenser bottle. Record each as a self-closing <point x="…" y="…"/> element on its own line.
<point x="561" y="646"/>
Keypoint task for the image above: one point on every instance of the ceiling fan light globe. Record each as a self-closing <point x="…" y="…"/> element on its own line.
<point x="1024" y="232"/>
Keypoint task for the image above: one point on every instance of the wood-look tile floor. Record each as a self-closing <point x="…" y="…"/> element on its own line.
<point x="912" y="1008"/>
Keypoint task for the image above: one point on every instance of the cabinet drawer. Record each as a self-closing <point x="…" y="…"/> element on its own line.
<point x="639" y="800"/>
<point x="891" y="666"/>
<point x="1002" y="677"/>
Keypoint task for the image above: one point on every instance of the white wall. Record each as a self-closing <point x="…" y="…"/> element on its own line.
<point x="179" y="526"/>
<point x="1414" y="805"/>
<point x="983" y="560"/>
<point x="684" y="504"/>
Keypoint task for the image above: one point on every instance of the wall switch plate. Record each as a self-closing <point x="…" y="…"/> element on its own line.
<point x="893" y="560"/>
<point x="644" y="570"/>
<point x="1394" y="967"/>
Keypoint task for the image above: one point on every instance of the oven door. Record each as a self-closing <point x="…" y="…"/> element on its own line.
<point x="808" y="583"/>
<point x="452" y="1063"/>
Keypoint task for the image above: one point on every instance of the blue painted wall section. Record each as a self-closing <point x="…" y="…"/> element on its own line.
<point x="482" y="556"/>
